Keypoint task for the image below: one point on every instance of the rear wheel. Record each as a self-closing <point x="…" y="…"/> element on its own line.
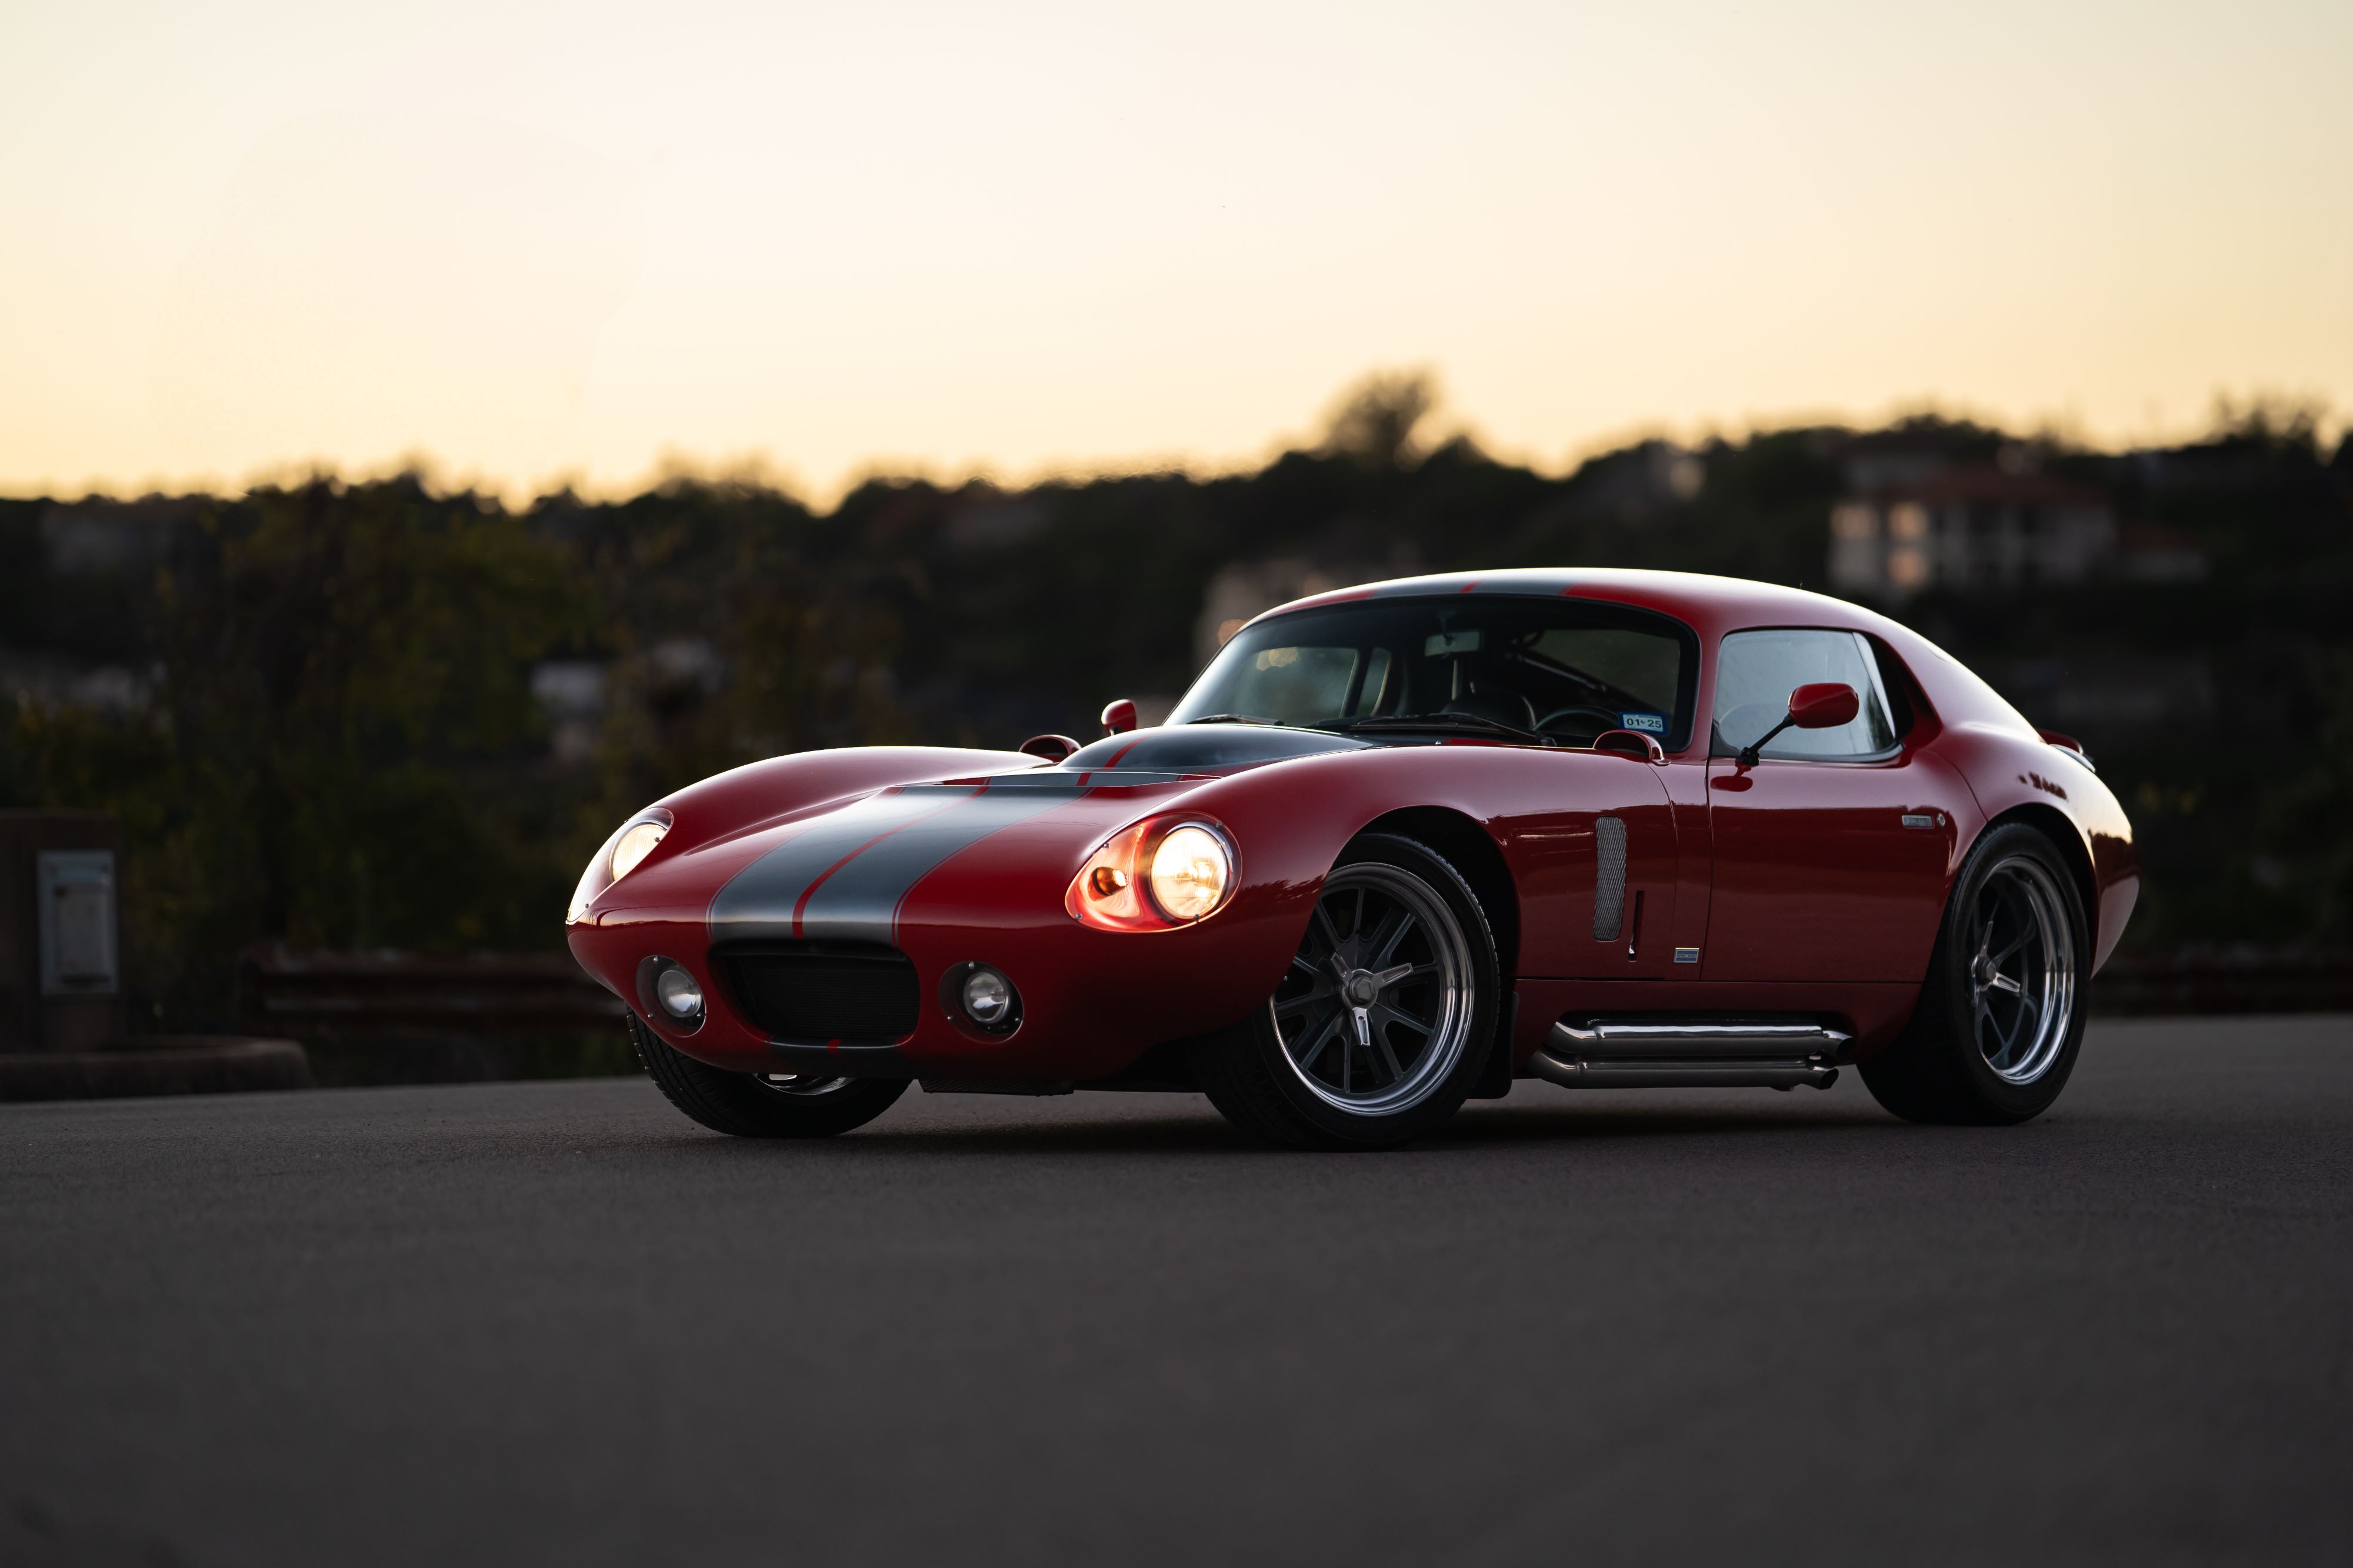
<point x="2000" y="1018"/>
<point x="762" y="1105"/>
<point x="1382" y="1024"/>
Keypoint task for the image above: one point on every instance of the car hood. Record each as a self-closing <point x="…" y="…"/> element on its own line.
<point x="843" y="868"/>
<point x="1206" y="748"/>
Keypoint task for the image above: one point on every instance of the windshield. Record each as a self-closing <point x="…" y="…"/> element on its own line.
<point x="1564" y="668"/>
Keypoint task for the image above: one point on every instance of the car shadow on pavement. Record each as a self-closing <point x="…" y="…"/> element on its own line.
<point x="1585" y="1123"/>
<point x="1182" y="1125"/>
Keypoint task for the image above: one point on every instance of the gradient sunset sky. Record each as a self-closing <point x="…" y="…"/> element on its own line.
<point x="541" y="242"/>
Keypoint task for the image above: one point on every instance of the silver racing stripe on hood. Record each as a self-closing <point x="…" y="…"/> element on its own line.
<point x="843" y="877"/>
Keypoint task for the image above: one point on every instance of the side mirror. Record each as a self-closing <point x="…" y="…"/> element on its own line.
<point x="1118" y="716"/>
<point x="1824" y="705"/>
<point x="1819" y="705"/>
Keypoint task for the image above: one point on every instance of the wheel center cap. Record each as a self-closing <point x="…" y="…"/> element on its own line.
<point x="1360" y="988"/>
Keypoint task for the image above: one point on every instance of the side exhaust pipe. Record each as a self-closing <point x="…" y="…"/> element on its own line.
<point x="1698" y="1053"/>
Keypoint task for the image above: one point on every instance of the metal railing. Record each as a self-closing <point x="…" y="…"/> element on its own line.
<point x="308" y="994"/>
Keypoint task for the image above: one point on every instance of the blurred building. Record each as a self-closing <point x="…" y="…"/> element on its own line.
<point x="1636" y="483"/>
<point x="1963" y="527"/>
<point x="100" y="537"/>
<point x="50" y="680"/>
<point x="2149" y="554"/>
<point x="571" y="694"/>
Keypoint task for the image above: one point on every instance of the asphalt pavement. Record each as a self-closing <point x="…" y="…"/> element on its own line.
<point x="557" y="1323"/>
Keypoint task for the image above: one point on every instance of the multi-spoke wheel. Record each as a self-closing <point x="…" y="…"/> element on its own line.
<point x="2001" y="1017"/>
<point x="1382" y="1023"/>
<point x="2022" y="974"/>
<point x="762" y="1105"/>
<point x="1375" y="1010"/>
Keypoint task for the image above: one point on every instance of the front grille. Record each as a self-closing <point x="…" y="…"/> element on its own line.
<point x="815" y="992"/>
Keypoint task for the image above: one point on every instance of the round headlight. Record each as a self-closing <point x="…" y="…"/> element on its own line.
<point x="679" y="993"/>
<point x="1191" y="871"/>
<point x="987" y="996"/>
<point x="635" y="845"/>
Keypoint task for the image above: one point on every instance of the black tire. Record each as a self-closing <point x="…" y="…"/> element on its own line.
<point x="739" y="1104"/>
<point x="1953" y="1064"/>
<point x="1253" y="1080"/>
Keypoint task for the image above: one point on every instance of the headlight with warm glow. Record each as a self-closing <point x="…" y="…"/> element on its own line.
<point x="636" y="842"/>
<point x="617" y="858"/>
<point x="1190" y="873"/>
<point x="1156" y="875"/>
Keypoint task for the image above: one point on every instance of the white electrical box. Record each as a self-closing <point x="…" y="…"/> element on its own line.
<point x="75" y="890"/>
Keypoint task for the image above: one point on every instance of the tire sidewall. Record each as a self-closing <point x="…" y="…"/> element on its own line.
<point x="1403" y="1126"/>
<point x="735" y="1104"/>
<point x="2007" y="1101"/>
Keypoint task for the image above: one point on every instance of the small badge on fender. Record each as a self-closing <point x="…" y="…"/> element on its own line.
<point x="1648" y="723"/>
<point x="1686" y="955"/>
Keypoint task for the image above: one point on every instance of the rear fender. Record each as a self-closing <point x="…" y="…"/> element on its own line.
<point x="2023" y="778"/>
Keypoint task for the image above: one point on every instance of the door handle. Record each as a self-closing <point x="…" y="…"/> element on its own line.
<point x="1634" y="926"/>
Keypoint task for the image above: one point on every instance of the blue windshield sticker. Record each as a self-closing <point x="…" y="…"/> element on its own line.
<point x="1648" y="723"/>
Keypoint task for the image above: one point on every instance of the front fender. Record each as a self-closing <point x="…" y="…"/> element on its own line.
<point x="1535" y="806"/>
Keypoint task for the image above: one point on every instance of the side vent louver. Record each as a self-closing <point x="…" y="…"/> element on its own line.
<point x="1608" y="878"/>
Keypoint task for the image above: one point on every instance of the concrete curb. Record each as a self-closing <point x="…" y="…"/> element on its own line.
<point x="173" y="1064"/>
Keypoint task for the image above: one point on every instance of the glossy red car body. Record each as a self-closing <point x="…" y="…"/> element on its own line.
<point x="1792" y="887"/>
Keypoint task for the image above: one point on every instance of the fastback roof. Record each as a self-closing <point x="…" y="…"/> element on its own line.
<point x="1710" y="602"/>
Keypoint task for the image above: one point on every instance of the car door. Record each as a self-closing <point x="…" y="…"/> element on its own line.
<point x="1601" y="880"/>
<point x="1832" y="848"/>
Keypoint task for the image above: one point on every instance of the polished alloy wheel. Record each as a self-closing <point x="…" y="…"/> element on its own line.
<point x="1377" y="1007"/>
<point x="799" y="1084"/>
<point x="2022" y="971"/>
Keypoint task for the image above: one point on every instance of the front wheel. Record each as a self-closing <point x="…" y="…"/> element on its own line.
<point x="1382" y="1024"/>
<point x="2001" y="1017"/>
<point x="762" y="1105"/>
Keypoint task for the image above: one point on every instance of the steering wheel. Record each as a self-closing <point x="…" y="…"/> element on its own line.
<point x="1606" y="718"/>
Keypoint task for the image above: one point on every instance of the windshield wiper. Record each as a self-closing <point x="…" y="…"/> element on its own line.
<point x="1444" y="723"/>
<point x="1237" y="719"/>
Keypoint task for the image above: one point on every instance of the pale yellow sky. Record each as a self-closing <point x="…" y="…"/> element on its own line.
<point x="544" y="241"/>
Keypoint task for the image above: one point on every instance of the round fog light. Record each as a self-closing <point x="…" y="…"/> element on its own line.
<point x="987" y="997"/>
<point x="679" y="993"/>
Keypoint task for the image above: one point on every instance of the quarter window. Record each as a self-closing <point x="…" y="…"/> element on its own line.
<point x="1755" y="672"/>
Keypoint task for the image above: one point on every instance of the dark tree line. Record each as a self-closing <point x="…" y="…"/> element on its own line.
<point x="335" y="740"/>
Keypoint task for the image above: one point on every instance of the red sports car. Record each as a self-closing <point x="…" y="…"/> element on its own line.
<point x="1399" y="847"/>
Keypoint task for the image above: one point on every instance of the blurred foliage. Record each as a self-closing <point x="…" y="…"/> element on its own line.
<point x="1378" y="421"/>
<point x="340" y="745"/>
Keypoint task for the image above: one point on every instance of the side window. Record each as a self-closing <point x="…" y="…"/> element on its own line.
<point x="1755" y="672"/>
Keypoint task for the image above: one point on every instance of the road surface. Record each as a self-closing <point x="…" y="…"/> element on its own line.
<point x="557" y="1323"/>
